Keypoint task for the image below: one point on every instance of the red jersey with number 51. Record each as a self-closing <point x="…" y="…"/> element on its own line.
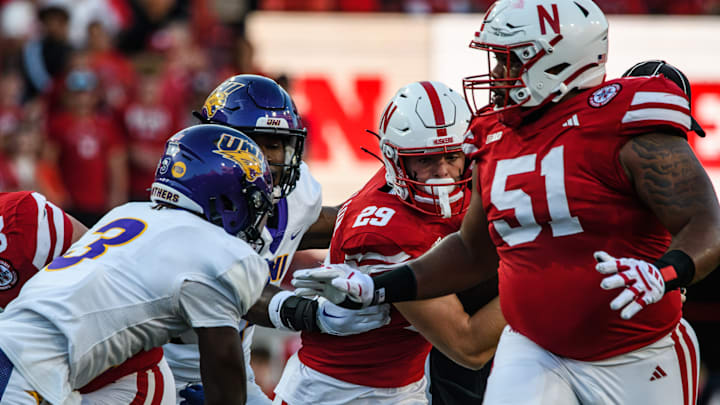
<point x="374" y="230"/>
<point x="33" y="231"/>
<point x="554" y="192"/>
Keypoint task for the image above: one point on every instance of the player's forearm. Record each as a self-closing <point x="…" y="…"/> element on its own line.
<point x="258" y="313"/>
<point x="222" y="366"/>
<point x="319" y="234"/>
<point x="669" y="178"/>
<point x="452" y="266"/>
<point x="281" y="309"/>
<point x="467" y="340"/>
<point x="700" y="239"/>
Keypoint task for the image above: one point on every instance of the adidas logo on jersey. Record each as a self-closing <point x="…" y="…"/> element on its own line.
<point x="658" y="373"/>
<point x="572" y="122"/>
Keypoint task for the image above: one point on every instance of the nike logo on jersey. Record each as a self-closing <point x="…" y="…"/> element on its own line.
<point x="329" y="315"/>
<point x="658" y="373"/>
<point x="572" y="122"/>
<point x="495" y="136"/>
<point x="295" y="234"/>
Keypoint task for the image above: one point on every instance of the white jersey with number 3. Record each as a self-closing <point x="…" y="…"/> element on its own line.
<point x="139" y="277"/>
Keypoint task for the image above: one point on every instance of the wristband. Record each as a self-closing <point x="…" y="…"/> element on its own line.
<point x="274" y="307"/>
<point x="290" y="312"/>
<point x="677" y="269"/>
<point x="396" y="285"/>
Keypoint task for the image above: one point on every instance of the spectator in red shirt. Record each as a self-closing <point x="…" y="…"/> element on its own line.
<point x="89" y="149"/>
<point x="116" y="73"/>
<point x="148" y="120"/>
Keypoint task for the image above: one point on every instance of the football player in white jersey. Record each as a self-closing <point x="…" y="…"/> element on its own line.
<point x="263" y="110"/>
<point x="147" y="272"/>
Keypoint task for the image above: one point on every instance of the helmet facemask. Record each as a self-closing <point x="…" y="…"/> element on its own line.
<point x="442" y="197"/>
<point x="253" y="212"/>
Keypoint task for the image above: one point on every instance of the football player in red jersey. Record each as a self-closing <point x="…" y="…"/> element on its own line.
<point x="416" y="200"/>
<point x="596" y="206"/>
<point x="34" y="231"/>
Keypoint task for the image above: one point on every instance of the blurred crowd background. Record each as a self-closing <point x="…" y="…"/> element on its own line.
<point x="91" y="89"/>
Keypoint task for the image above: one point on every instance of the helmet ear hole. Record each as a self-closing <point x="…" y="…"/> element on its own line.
<point x="227" y="204"/>
<point x="557" y="69"/>
<point x="213" y="214"/>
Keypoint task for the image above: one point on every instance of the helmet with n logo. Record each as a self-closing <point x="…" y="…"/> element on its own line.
<point x="219" y="173"/>
<point x="544" y="49"/>
<point x="423" y="119"/>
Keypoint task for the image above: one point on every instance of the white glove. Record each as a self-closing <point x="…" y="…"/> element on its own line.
<point x="341" y="284"/>
<point x="643" y="282"/>
<point x="338" y="321"/>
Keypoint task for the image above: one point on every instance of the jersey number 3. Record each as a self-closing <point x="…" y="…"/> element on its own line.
<point x="116" y="233"/>
<point x="552" y="168"/>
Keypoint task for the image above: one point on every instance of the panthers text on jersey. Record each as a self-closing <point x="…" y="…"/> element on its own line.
<point x="554" y="192"/>
<point x="375" y="229"/>
<point x="33" y="231"/>
<point x="295" y="214"/>
<point x="139" y="277"/>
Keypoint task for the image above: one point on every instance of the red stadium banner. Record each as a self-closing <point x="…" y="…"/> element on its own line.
<point x="705" y="105"/>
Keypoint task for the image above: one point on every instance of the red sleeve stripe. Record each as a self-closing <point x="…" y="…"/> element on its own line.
<point x="644" y="97"/>
<point x="371" y="263"/>
<point x="63" y="235"/>
<point x="50" y="215"/>
<point x="361" y="257"/>
<point x="43" y="240"/>
<point x="658" y="114"/>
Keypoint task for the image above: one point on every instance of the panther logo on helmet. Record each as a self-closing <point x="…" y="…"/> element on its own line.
<point x="243" y="153"/>
<point x="218" y="98"/>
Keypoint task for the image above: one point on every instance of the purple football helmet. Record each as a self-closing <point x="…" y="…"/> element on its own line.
<point x="257" y="105"/>
<point x="219" y="173"/>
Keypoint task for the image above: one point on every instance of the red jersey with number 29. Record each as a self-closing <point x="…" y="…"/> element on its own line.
<point x="33" y="231"/>
<point x="554" y="192"/>
<point x="375" y="229"/>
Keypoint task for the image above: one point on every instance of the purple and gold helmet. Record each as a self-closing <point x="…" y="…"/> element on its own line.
<point x="219" y="173"/>
<point x="257" y="105"/>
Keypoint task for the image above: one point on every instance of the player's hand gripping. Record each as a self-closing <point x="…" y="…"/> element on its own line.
<point x="642" y="281"/>
<point x="339" y="321"/>
<point x="339" y="283"/>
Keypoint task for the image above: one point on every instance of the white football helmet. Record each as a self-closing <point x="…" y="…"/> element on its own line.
<point x="424" y="118"/>
<point x="562" y="45"/>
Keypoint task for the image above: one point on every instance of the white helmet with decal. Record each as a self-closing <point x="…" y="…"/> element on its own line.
<point x="562" y="45"/>
<point x="424" y="118"/>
